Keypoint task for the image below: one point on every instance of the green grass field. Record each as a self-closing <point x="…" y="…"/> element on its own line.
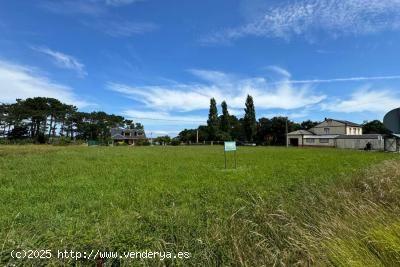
<point x="280" y="206"/>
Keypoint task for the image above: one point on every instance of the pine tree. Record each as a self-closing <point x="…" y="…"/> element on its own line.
<point x="249" y="120"/>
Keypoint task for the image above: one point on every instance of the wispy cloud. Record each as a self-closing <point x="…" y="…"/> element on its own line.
<point x="121" y="2"/>
<point x="222" y="86"/>
<point x="78" y="7"/>
<point x="84" y="7"/>
<point x="292" y="98"/>
<point x="164" y="123"/>
<point x="99" y="15"/>
<point x="307" y="17"/>
<point x="156" y="116"/>
<point x="303" y="113"/>
<point x="18" y="81"/>
<point x="349" y="79"/>
<point x="365" y="100"/>
<point x="121" y="28"/>
<point x="63" y="60"/>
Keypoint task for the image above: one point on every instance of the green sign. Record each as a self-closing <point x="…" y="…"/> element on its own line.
<point x="230" y="146"/>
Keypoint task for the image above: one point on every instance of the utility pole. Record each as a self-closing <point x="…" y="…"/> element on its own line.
<point x="197" y="136"/>
<point x="287" y="141"/>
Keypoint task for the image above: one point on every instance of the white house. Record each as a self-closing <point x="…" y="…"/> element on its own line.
<point x="336" y="133"/>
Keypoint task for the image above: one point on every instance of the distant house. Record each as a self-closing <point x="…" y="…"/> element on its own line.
<point x="129" y="136"/>
<point x="336" y="133"/>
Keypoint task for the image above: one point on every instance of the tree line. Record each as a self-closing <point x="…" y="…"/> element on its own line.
<point x="41" y="119"/>
<point x="264" y="131"/>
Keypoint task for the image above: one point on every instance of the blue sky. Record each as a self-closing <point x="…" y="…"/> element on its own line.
<point x="164" y="60"/>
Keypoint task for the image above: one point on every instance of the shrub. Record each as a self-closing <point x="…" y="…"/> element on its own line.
<point x="175" y="142"/>
<point x="62" y="141"/>
<point x="142" y="142"/>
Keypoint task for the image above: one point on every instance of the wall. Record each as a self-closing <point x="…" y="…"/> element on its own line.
<point x="331" y="142"/>
<point x="359" y="143"/>
<point x="335" y="127"/>
<point x="350" y="131"/>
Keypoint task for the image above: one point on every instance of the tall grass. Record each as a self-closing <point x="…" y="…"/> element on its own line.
<point x="353" y="223"/>
<point x="279" y="207"/>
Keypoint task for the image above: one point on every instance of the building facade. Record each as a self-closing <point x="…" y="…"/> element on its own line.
<point x="336" y="133"/>
<point x="128" y="136"/>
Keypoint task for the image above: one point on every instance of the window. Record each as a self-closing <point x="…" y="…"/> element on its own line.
<point x="326" y="130"/>
<point x="354" y="130"/>
<point x="324" y="140"/>
<point x="309" y="141"/>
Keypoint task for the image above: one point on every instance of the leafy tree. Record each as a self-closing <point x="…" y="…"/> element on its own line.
<point x="222" y="136"/>
<point x="163" y="139"/>
<point x="187" y="135"/>
<point x="374" y="127"/>
<point x="307" y="125"/>
<point x="190" y="135"/>
<point x="278" y="130"/>
<point x="264" y="134"/>
<point x="249" y="120"/>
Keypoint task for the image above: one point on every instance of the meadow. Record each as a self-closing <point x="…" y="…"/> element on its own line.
<point x="278" y="207"/>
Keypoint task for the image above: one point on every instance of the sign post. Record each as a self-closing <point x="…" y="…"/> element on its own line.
<point x="228" y="147"/>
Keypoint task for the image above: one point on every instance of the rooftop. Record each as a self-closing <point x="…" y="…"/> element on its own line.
<point x="301" y="132"/>
<point x="348" y="123"/>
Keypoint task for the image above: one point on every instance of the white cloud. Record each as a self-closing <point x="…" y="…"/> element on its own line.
<point x="164" y="117"/>
<point x="96" y="14"/>
<point x="121" y="28"/>
<point x="188" y="97"/>
<point x="89" y="8"/>
<point x="295" y="99"/>
<point x="63" y="60"/>
<point x="84" y="7"/>
<point x="280" y="71"/>
<point x="366" y="100"/>
<point x="159" y="123"/>
<point x="18" y="81"/>
<point x="349" y="79"/>
<point x="291" y="115"/>
<point x="304" y="18"/>
<point x="121" y="2"/>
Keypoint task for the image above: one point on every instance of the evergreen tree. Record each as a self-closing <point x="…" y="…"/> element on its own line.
<point x="212" y="121"/>
<point x="225" y="123"/>
<point x="249" y="120"/>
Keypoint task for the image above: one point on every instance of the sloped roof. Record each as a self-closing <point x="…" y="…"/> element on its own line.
<point x="301" y="132"/>
<point x="118" y="137"/>
<point x="396" y="135"/>
<point x="348" y="123"/>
